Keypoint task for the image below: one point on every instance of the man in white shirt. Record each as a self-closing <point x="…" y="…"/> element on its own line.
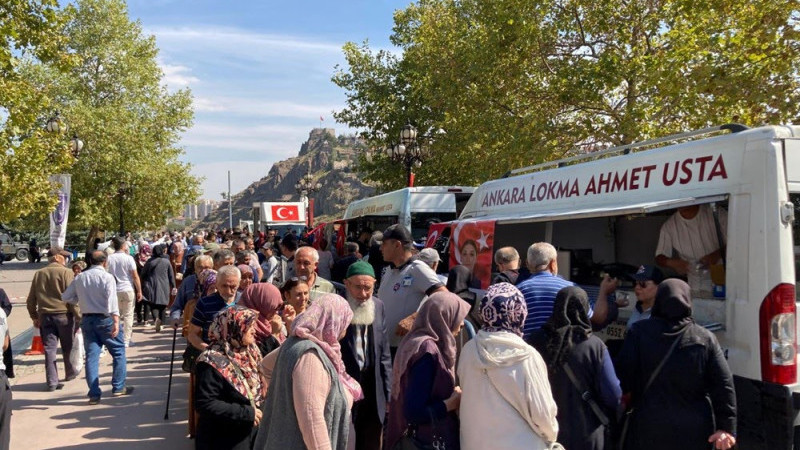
<point x="691" y="234"/>
<point x="129" y="288"/>
<point x="96" y="292"/>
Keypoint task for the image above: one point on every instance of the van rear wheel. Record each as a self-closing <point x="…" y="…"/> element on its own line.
<point x="22" y="254"/>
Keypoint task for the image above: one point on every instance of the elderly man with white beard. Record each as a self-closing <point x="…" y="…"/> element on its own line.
<point x="366" y="356"/>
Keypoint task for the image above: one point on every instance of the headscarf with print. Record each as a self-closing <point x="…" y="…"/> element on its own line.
<point x="568" y="326"/>
<point x="436" y="319"/>
<point x="207" y="278"/>
<point x="322" y="323"/>
<point x="504" y="309"/>
<point x="144" y="252"/>
<point x="265" y="299"/>
<point x="238" y="364"/>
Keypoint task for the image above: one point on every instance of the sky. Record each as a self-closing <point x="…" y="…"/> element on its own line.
<point x="260" y="74"/>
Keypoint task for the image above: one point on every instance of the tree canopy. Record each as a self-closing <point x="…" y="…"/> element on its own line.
<point x="499" y="84"/>
<point x="28" y="30"/>
<point x="113" y="99"/>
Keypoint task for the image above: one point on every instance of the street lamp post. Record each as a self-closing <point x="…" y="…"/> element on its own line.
<point x="306" y="186"/>
<point x="410" y="152"/>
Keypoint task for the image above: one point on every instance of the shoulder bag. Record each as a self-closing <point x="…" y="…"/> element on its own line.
<point x="629" y="412"/>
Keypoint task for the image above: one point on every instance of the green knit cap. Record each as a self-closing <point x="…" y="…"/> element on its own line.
<point x="360" y="268"/>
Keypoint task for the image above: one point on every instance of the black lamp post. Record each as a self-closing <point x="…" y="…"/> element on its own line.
<point x="57" y="125"/>
<point x="306" y="186"/>
<point x="123" y="190"/>
<point x="409" y="152"/>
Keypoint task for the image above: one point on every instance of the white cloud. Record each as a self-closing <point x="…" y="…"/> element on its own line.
<point x="253" y="106"/>
<point x="177" y="76"/>
<point x="242" y="41"/>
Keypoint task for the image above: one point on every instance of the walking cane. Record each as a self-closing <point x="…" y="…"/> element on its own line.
<point x="171" y="365"/>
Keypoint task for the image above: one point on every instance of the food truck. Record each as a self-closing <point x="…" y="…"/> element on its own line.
<point x="604" y="211"/>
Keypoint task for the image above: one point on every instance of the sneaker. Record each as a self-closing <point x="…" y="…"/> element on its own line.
<point x="53" y="388"/>
<point x="158" y="325"/>
<point x="94" y="400"/>
<point x="126" y="391"/>
<point x="71" y="377"/>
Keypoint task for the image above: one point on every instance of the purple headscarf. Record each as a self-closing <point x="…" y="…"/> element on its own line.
<point x="504" y="309"/>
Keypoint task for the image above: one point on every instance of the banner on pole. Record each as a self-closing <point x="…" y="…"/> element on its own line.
<point x="58" y="218"/>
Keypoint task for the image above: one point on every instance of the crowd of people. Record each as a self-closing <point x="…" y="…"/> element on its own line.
<point x="292" y="346"/>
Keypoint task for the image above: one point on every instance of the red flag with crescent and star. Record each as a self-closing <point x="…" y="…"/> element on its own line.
<point x="471" y="245"/>
<point x="285" y="213"/>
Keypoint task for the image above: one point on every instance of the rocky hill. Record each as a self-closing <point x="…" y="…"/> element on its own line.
<point x="332" y="162"/>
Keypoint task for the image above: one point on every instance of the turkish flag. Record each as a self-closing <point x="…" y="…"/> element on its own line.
<point x="285" y="213"/>
<point x="472" y="245"/>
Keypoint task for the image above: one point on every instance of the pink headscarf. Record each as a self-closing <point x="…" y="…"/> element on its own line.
<point x="322" y="323"/>
<point x="437" y="318"/>
<point x="264" y="298"/>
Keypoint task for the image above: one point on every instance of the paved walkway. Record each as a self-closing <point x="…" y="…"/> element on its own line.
<point x="63" y="419"/>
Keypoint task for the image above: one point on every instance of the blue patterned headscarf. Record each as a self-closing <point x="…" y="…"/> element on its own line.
<point x="503" y="309"/>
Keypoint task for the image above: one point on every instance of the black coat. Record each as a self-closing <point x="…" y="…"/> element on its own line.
<point x="225" y="417"/>
<point x="381" y="357"/>
<point x="158" y="279"/>
<point x="579" y="428"/>
<point x="693" y="390"/>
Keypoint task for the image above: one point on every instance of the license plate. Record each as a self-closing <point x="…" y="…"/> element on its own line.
<point x="615" y="330"/>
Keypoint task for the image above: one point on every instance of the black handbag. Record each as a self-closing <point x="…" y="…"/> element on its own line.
<point x="189" y="357"/>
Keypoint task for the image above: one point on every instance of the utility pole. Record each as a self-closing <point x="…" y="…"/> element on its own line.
<point x="230" y="204"/>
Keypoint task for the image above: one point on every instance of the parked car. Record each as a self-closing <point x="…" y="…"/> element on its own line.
<point x="13" y="249"/>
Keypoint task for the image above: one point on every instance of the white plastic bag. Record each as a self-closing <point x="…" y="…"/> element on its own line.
<point x="77" y="354"/>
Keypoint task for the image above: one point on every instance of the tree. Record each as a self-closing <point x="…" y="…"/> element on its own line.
<point x="29" y="29"/>
<point x="513" y="82"/>
<point x="129" y="122"/>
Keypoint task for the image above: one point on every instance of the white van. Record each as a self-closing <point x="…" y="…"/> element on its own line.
<point x="414" y="207"/>
<point x="608" y="207"/>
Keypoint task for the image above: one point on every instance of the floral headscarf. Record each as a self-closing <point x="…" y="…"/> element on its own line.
<point x="207" y="278"/>
<point x="504" y="309"/>
<point x="322" y="323"/>
<point x="265" y="299"/>
<point x="226" y="353"/>
<point x="144" y="252"/>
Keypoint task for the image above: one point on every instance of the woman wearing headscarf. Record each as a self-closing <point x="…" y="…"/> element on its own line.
<point x="571" y="351"/>
<point x="309" y="398"/>
<point x="459" y="280"/>
<point x="142" y="256"/>
<point x="691" y="402"/>
<point x="265" y="299"/>
<point x="229" y="389"/>
<point x="507" y="403"/>
<point x="247" y="276"/>
<point x="158" y="280"/>
<point x="425" y="397"/>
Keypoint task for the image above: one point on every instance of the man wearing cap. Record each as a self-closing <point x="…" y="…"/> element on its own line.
<point x="431" y="257"/>
<point x="647" y="279"/>
<point x="54" y="318"/>
<point x="96" y="291"/>
<point x="406" y="281"/>
<point x="270" y="264"/>
<point x="366" y="355"/>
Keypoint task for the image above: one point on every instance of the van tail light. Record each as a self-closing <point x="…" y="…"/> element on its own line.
<point x="778" y="334"/>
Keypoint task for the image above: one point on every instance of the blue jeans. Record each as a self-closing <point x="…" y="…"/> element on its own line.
<point x="97" y="333"/>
